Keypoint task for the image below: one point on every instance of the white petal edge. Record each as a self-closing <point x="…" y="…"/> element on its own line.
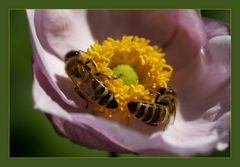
<point x="63" y="30"/>
<point x="216" y="136"/>
<point x="219" y="48"/>
<point x="42" y="99"/>
<point x="135" y="145"/>
<point x="156" y="144"/>
<point x="51" y="65"/>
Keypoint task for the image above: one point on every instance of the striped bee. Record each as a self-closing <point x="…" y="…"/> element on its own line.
<point x="163" y="111"/>
<point x="83" y="72"/>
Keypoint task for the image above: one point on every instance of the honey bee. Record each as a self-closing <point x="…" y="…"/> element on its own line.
<point x="163" y="111"/>
<point x="83" y="72"/>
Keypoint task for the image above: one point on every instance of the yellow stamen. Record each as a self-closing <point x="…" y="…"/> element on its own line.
<point x="148" y="62"/>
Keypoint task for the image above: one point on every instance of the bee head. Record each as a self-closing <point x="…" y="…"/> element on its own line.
<point x="169" y="90"/>
<point x="167" y="96"/>
<point x="162" y="90"/>
<point x="70" y="54"/>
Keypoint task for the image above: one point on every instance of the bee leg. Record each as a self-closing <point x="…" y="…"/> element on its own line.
<point x="86" y="105"/>
<point x="165" y="126"/>
<point x="152" y="91"/>
<point x="117" y="77"/>
<point x="81" y="52"/>
<point x="91" y="62"/>
<point x="107" y="76"/>
<point x="82" y="96"/>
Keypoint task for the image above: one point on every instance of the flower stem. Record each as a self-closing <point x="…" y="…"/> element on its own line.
<point x="113" y="154"/>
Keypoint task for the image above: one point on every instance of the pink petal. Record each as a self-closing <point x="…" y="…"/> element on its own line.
<point x="173" y="30"/>
<point x="203" y="83"/>
<point x="51" y="67"/>
<point x="215" y="28"/>
<point x="104" y="134"/>
<point x="62" y="30"/>
<point x="202" y="89"/>
<point x="186" y="41"/>
<point x="187" y="138"/>
<point x="144" y="23"/>
<point x="63" y="84"/>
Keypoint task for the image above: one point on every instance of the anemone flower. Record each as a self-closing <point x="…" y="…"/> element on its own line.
<point x="197" y="49"/>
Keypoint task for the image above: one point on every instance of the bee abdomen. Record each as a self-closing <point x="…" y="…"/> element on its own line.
<point x="148" y="113"/>
<point x="108" y="100"/>
<point x="112" y="103"/>
<point x="103" y="96"/>
<point x="154" y="120"/>
<point x="97" y="94"/>
<point x="139" y="109"/>
<point x="132" y="106"/>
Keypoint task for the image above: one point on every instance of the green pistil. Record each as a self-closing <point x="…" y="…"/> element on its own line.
<point x="126" y="73"/>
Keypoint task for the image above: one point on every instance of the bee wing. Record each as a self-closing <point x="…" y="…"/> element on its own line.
<point x="81" y="52"/>
<point x="166" y="116"/>
<point x="76" y="81"/>
<point x="172" y="118"/>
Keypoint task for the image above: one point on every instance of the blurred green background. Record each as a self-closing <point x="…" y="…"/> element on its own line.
<point x="31" y="134"/>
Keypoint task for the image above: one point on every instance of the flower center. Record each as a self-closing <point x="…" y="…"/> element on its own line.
<point x="126" y="73"/>
<point x="138" y="67"/>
